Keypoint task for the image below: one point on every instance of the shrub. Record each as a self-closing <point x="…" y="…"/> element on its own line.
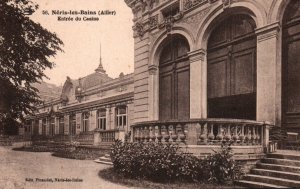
<point x="165" y="162"/>
<point x="221" y="166"/>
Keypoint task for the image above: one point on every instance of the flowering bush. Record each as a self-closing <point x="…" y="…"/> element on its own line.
<point x="165" y="162"/>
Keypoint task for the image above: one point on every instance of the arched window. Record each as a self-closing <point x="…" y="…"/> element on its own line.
<point x="291" y="66"/>
<point x="121" y="115"/>
<point x="231" y="69"/>
<point x="174" y="80"/>
<point x="85" y="121"/>
<point x="101" y="119"/>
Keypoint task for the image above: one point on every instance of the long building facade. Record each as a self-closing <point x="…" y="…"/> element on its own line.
<point x="95" y="102"/>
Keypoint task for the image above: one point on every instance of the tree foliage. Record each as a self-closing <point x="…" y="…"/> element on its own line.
<point x="25" y="48"/>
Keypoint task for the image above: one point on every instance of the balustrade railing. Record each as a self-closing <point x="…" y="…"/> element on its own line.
<point x="108" y="135"/>
<point x="203" y="132"/>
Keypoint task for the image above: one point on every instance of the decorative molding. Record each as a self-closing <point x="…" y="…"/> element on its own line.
<point x="268" y="32"/>
<point x="196" y="18"/>
<point x="153" y="21"/>
<point x="139" y="28"/>
<point x="152" y="69"/>
<point x="170" y="20"/>
<point x="197" y="55"/>
<point x="188" y="4"/>
<point x="226" y="4"/>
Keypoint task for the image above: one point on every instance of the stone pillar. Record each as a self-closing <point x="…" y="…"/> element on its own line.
<point x="66" y="124"/>
<point x="93" y="120"/>
<point x="56" y="127"/>
<point x="78" y="123"/>
<point x="108" y="123"/>
<point x="47" y="126"/>
<point x="268" y="76"/>
<point x="198" y="84"/>
<point x="97" y="138"/>
<point x="40" y="128"/>
<point x="153" y="82"/>
<point x="113" y="118"/>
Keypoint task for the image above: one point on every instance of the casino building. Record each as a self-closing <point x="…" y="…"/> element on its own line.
<point x="214" y="70"/>
<point x="93" y="104"/>
<point x="205" y="71"/>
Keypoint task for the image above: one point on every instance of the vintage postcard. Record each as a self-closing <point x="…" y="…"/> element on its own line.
<point x="101" y="94"/>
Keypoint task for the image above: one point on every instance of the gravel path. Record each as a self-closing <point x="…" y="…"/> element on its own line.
<point x="16" y="167"/>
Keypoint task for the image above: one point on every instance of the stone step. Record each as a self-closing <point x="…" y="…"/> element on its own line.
<point x="105" y="159"/>
<point x="277" y="167"/>
<point x="272" y="180"/>
<point x="103" y="162"/>
<point x="277" y="174"/>
<point x="252" y="184"/>
<point x="285" y="156"/>
<point x="281" y="162"/>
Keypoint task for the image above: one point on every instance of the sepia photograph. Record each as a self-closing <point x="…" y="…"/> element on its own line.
<point x="157" y="94"/>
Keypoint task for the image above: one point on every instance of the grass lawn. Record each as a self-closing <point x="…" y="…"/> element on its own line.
<point x="110" y="175"/>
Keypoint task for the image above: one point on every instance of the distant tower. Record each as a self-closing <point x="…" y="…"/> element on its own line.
<point x="100" y="68"/>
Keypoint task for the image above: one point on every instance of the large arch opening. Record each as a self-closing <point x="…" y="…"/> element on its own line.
<point x="231" y="69"/>
<point x="291" y="66"/>
<point x="174" y="79"/>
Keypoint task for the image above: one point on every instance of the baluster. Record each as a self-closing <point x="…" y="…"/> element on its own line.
<point x="147" y="134"/>
<point x="219" y="136"/>
<point x="258" y="134"/>
<point x="142" y="137"/>
<point x="152" y="134"/>
<point x="248" y="135"/>
<point x="211" y="135"/>
<point x="228" y="133"/>
<point x="203" y="136"/>
<point x="242" y="135"/>
<point x="199" y="126"/>
<point x="171" y="132"/>
<point x="235" y="136"/>
<point x="253" y="137"/>
<point x="177" y="130"/>
<point x="163" y="133"/>
<point x="137" y="134"/>
<point x="158" y="133"/>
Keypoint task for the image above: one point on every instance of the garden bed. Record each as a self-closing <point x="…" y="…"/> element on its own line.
<point x="114" y="177"/>
<point x="62" y="151"/>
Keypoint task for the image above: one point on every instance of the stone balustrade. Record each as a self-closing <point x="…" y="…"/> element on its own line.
<point x="108" y="135"/>
<point x="203" y="132"/>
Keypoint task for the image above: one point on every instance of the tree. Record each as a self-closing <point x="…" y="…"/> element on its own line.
<point x="25" y="48"/>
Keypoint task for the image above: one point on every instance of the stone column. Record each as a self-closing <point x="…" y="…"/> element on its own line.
<point x="268" y="74"/>
<point x="40" y="128"/>
<point x="56" y="127"/>
<point x="47" y="126"/>
<point x="113" y="118"/>
<point x="108" y="123"/>
<point x="93" y="120"/>
<point x="198" y="84"/>
<point x="78" y="122"/>
<point x="153" y="93"/>
<point x="66" y="124"/>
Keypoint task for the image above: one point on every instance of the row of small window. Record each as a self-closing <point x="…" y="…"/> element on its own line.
<point x="121" y="118"/>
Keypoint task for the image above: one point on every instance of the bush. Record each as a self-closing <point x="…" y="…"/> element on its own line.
<point x="165" y="162"/>
<point x="221" y="166"/>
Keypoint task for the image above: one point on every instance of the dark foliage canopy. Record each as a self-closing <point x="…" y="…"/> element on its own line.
<point x="25" y="48"/>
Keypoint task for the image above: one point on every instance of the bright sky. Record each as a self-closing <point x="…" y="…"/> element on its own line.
<point x="82" y="39"/>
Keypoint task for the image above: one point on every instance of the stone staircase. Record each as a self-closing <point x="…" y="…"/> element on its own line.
<point x="277" y="170"/>
<point x="104" y="160"/>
